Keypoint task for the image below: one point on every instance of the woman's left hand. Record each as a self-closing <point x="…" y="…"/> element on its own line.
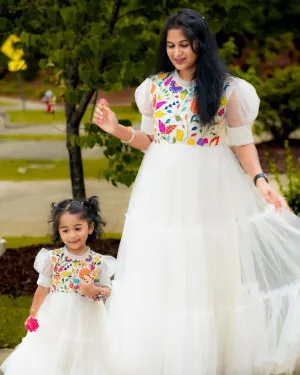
<point x="271" y="196"/>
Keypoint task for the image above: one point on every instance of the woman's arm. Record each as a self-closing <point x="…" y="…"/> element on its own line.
<point x="249" y="160"/>
<point x="140" y="141"/>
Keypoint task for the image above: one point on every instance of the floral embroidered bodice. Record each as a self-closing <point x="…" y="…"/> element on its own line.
<point x="69" y="270"/>
<point x="175" y="116"/>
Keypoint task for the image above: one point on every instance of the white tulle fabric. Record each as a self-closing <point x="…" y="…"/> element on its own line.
<point x="208" y="276"/>
<point x="143" y="102"/>
<point x="73" y="339"/>
<point x="241" y="112"/>
<point x="74" y="334"/>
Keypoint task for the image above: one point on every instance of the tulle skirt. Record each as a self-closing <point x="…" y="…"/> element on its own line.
<point x="208" y="277"/>
<point x="72" y="340"/>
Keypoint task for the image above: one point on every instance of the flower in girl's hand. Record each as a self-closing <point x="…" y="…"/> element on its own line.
<point x="32" y="324"/>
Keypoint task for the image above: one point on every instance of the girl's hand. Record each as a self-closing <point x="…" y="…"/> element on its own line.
<point x="31" y="324"/>
<point x="271" y="196"/>
<point x="105" y="118"/>
<point x="87" y="287"/>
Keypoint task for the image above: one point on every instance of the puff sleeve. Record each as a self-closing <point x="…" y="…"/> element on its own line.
<point x="44" y="267"/>
<point x="107" y="271"/>
<point x="143" y="101"/>
<point x="241" y="112"/>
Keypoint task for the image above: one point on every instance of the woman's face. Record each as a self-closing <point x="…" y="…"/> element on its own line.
<point x="180" y="51"/>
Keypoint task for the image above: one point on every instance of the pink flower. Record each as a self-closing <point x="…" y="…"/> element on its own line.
<point x="32" y="324"/>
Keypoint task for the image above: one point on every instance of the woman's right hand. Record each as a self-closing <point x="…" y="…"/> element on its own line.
<point x="105" y="118"/>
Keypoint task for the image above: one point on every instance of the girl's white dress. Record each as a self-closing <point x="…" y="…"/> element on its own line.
<point x="73" y="336"/>
<point x="208" y="275"/>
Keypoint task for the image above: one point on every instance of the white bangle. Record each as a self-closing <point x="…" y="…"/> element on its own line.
<point x="132" y="136"/>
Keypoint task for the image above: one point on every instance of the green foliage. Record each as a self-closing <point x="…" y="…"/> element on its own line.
<point x="123" y="160"/>
<point x="292" y="190"/>
<point x="280" y="102"/>
<point x="273" y="69"/>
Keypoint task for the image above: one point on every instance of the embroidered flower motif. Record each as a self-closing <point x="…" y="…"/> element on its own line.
<point x="176" y="114"/>
<point x="84" y="272"/>
<point x="202" y="141"/>
<point x="221" y="112"/>
<point x="223" y="100"/>
<point x="68" y="274"/>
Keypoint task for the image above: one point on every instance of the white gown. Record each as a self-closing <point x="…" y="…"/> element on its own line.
<point x="208" y="274"/>
<point x="73" y="337"/>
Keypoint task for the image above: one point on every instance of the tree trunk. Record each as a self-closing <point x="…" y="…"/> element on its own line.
<point x="74" y="116"/>
<point x="75" y="158"/>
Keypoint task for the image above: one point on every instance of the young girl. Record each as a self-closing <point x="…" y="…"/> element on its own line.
<point x="208" y="246"/>
<point x="68" y="318"/>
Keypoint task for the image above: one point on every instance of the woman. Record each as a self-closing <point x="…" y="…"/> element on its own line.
<point x="209" y="247"/>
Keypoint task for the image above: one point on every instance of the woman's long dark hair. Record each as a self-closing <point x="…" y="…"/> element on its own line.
<point x="210" y="70"/>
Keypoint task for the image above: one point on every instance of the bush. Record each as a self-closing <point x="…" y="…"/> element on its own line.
<point x="292" y="189"/>
<point x="280" y="102"/>
<point x="273" y="69"/>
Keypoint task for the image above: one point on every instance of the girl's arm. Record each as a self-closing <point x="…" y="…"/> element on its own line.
<point x="39" y="297"/>
<point x="89" y="289"/>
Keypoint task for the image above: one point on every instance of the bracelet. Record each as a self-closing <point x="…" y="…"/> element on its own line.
<point x="260" y="175"/>
<point x="33" y="310"/>
<point x="132" y="136"/>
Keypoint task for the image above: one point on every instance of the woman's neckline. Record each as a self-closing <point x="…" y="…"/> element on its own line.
<point x="74" y="256"/>
<point x="183" y="83"/>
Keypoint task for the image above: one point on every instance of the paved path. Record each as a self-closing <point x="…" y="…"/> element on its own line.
<point x="53" y="150"/>
<point x="25" y="206"/>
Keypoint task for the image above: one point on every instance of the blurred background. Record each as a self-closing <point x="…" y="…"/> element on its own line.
<point x="58" y="57"/>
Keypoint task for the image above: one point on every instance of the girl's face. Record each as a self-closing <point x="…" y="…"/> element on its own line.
<point x="74" y="232"/>
<point x="180" y="51"/>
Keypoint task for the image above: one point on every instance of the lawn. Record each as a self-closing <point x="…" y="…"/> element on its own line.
<point x="33" y="170"/>
<point x="38" y="117"/>
<point x="15" y="242"/>
<point x="32" y="137"/>
<point x="13" y="313"/>
<point x="7" y="104"/>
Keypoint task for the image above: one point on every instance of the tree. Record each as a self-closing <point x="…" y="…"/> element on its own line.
<point x="86" y="46"/>
<point x="89" y="45"/>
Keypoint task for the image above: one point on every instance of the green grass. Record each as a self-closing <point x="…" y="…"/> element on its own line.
<point x="59" y="169"/>
<point x="32" y="137"/>
<point x="38" y="117"/>
<point x="7" y="104"/>
<point x="13" y="313"/>
<point x="14" y="242"/>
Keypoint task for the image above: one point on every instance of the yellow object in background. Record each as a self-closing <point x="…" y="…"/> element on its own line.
<point x="9" y="49"/>
<point x="15" y="66"/>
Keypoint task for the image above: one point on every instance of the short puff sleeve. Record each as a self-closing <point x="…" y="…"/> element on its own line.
<point x="44" y="267"/>
<point x="241" y="112"/>
<point x="107" y="271"/>
<point x="143" y="101"/>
